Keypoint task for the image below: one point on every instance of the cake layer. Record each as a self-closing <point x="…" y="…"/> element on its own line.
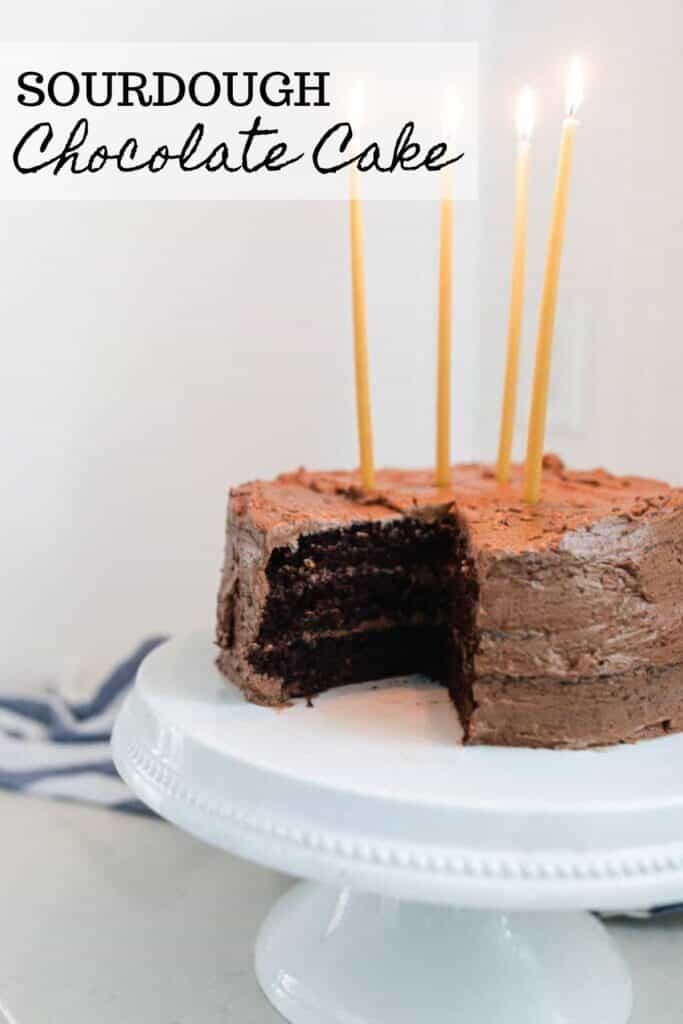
<point x="330" y="618"/>
<point x="552" y="609"/>
<point x="347" y="599"/>
<point x="308" y="665"/>
<point x="591" y="711"/>
<point x="403" y="542"/>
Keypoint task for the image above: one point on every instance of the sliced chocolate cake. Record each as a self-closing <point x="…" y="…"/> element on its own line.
<point x="559" y="624"/>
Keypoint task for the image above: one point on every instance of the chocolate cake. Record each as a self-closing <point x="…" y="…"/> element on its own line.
<point x="558" y="625"/>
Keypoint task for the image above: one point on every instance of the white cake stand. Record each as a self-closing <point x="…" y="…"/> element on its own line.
<point x="429" y="862"/>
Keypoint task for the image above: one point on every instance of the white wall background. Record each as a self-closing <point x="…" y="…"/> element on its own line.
<point x="154" y="354"/>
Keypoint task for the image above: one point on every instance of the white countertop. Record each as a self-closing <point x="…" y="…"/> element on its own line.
<point x="126" y="920"/>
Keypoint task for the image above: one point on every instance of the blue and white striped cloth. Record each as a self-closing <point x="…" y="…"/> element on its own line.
<point x="53" y="747"/>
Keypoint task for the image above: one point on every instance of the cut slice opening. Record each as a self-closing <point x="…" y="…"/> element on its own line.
<point x="371" y="601"/>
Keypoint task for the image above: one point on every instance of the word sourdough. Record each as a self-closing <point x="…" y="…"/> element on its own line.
<point x="167" y="89"/>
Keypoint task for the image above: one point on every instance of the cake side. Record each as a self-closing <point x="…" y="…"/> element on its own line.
<point x="582" y="644"/>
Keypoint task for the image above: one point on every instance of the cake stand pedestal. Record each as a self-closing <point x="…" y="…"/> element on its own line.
<point x="446" y="883"/>
<point x="326" y="955"/>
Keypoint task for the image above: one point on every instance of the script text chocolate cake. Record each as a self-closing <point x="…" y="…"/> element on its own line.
<point x="559" y="624"/>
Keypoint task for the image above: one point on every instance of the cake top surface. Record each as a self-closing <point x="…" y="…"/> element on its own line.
<point x="496" y="515"/>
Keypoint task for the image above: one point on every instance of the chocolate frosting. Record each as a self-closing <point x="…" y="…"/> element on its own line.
<point x="496" y="515"/>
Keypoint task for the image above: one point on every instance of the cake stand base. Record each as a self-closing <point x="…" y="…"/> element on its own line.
<point x="331" y="956"/>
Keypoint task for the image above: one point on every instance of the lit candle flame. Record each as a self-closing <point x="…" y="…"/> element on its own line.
<point x="356" y="108"/>
<point x="526" y="113"/>
<point x="574" y="92"/>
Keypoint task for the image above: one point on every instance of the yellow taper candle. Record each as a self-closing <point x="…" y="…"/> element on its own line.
<point x="525" y="122"/>
<point x="443" y="373"/>
<point x="360" y="332"/>
<point x="539" y="401"/>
